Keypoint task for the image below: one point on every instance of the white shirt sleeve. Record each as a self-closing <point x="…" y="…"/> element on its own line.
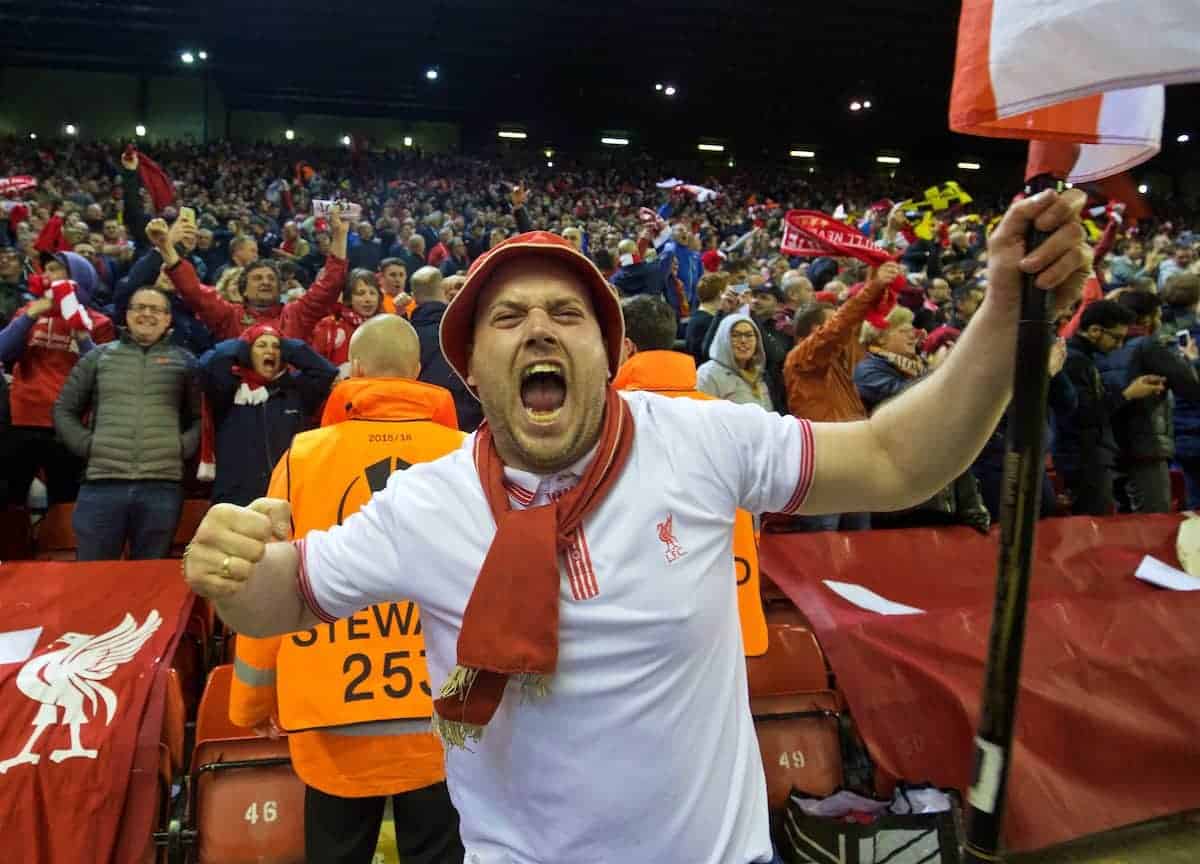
<point x="381" y="553"/>
<point x="766" y="460"/>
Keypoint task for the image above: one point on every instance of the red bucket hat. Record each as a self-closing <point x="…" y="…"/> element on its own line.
<point x="458" y="323"/>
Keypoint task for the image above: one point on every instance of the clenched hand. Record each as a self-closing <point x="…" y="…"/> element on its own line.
<point x="230" y="541"/>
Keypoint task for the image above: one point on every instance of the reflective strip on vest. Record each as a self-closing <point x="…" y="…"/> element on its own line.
<point x="252" y="676"/>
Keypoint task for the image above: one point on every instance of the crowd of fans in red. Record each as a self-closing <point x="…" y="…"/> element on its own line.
<point x="148" y="352"/>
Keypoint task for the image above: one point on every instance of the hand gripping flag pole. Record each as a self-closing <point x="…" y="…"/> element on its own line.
<point x="1018" y="520"/>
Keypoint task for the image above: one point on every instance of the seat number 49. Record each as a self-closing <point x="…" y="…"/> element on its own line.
<point x="794" y="759"/>
<point x="270" y="812"/>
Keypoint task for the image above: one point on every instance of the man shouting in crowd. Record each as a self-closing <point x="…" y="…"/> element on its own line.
<point x="572" y="560"/>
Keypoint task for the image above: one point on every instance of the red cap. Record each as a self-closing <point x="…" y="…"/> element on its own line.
<point x="940" y="336"/>
<point x="711" y="261"/>
<point x="458" y="323"/>
<point x="251" y="334"/>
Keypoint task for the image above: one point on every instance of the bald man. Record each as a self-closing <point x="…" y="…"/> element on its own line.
<point x="353" y="755"/>
<point x="428" y="289"/>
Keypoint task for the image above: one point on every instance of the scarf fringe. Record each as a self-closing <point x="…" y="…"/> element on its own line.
<point x="534" y="686"/>
<point x="459" y="683"/>
<point x="458" y="686"/>
<point x="454" y="734"/>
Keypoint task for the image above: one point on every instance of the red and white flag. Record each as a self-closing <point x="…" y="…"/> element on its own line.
<point x="702" y="194"/>
<point x="1073" y="72"/>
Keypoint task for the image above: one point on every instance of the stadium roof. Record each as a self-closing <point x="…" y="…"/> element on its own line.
<point x="766" y="76"/>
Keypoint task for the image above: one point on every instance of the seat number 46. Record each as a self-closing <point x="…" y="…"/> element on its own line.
<point x="269" y="812"/>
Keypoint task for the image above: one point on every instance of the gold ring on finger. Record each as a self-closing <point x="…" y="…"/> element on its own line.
<point x="225" y="569"/>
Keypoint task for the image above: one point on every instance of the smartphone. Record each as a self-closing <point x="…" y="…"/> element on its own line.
<point x="187" y="214"/>
<point x="1183" y="337"/>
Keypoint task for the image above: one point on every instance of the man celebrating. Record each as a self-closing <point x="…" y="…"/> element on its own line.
<point x="259" y="286"/>
<point x="354" y="752"/>
<point x="649" y="362"/>
<point x="578" y="550"/>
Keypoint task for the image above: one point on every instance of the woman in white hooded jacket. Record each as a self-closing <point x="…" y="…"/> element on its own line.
<point x="735" y="370"/>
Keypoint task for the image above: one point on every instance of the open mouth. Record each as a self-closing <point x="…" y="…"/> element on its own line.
<point x="270" y="363"/>
<point x="543" y="391"/>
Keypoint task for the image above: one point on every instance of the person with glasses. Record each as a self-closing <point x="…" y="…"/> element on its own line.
<point x="737" y="368"/>
<point x="1085" y="448"/>
<point x="144" y="403"/>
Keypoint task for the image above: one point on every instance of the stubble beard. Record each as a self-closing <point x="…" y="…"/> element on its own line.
<point x="579" y="440"/>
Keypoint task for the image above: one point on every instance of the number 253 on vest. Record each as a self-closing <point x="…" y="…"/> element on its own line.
<point x="361" y="669"/>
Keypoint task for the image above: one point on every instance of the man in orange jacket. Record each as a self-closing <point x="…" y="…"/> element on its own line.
<point x="354" y="695"/>
<point x="650" y="363"/>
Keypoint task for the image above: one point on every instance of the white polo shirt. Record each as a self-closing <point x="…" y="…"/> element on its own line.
<point x="644" y="751"/>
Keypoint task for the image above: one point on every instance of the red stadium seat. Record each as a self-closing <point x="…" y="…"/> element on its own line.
<point x="794" y="662"/>
<point x="16" y="537"/>
<point x="799" y="738"/>
<point x="797" y="717"/>
<point x="174" y="723"/>
<point x="246" y="805"/>
<point x="55" y="536"/>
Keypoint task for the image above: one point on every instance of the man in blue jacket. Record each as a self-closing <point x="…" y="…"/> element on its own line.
<point x="679" y="247"/>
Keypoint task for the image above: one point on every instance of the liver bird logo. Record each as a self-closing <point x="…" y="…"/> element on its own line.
<point x="69" y="678"/>
<point x="666" y="533"/>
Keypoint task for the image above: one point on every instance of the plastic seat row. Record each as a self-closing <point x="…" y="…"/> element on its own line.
<point x="53" y="538"/>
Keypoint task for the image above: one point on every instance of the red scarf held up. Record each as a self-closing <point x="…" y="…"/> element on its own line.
<point x="52" y="240"/>
<point x="154" y="179"/>
<point x="510" y="626"/>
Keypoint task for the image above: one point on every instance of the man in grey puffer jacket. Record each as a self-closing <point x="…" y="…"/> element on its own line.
<point x="145" y="421"/>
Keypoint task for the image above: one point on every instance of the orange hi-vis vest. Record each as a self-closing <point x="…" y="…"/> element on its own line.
<point x="670" y="373"/>
<point x="354" y="695"/>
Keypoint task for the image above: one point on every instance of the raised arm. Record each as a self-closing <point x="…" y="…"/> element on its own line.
<point x="874" y="464"/>
<point x="316" y="373"/>
<point x="301" y="316"/>
<point x="132" y="212"/>
<point x="822" y="345"/>
<point x="214" y="311"/>
<point x="214" y="371"/>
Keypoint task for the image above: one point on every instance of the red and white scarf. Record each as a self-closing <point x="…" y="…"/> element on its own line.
<point x="67" y="305"/>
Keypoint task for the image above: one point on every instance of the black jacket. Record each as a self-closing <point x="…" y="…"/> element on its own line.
<point x="641" y="278"/>
<point x="367" y="255"/>
<point x="251" y="438"/>
<point x="1084" y="440"/>
<point x="697" y="330"/>
<point x="426" y="320"/>
<point x="412" y="263"/>
<point x="1145" y="428"/>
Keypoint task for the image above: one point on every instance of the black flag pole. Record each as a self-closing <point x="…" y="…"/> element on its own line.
<point x="1023" y="468"/>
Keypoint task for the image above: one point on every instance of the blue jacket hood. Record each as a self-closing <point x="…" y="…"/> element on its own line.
<point x="82" y="273"/>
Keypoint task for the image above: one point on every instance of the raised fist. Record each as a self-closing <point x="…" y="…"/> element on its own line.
<point x="230" y="541"/>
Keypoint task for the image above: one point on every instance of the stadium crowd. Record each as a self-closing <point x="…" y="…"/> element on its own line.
<point x="155" y="341"/>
